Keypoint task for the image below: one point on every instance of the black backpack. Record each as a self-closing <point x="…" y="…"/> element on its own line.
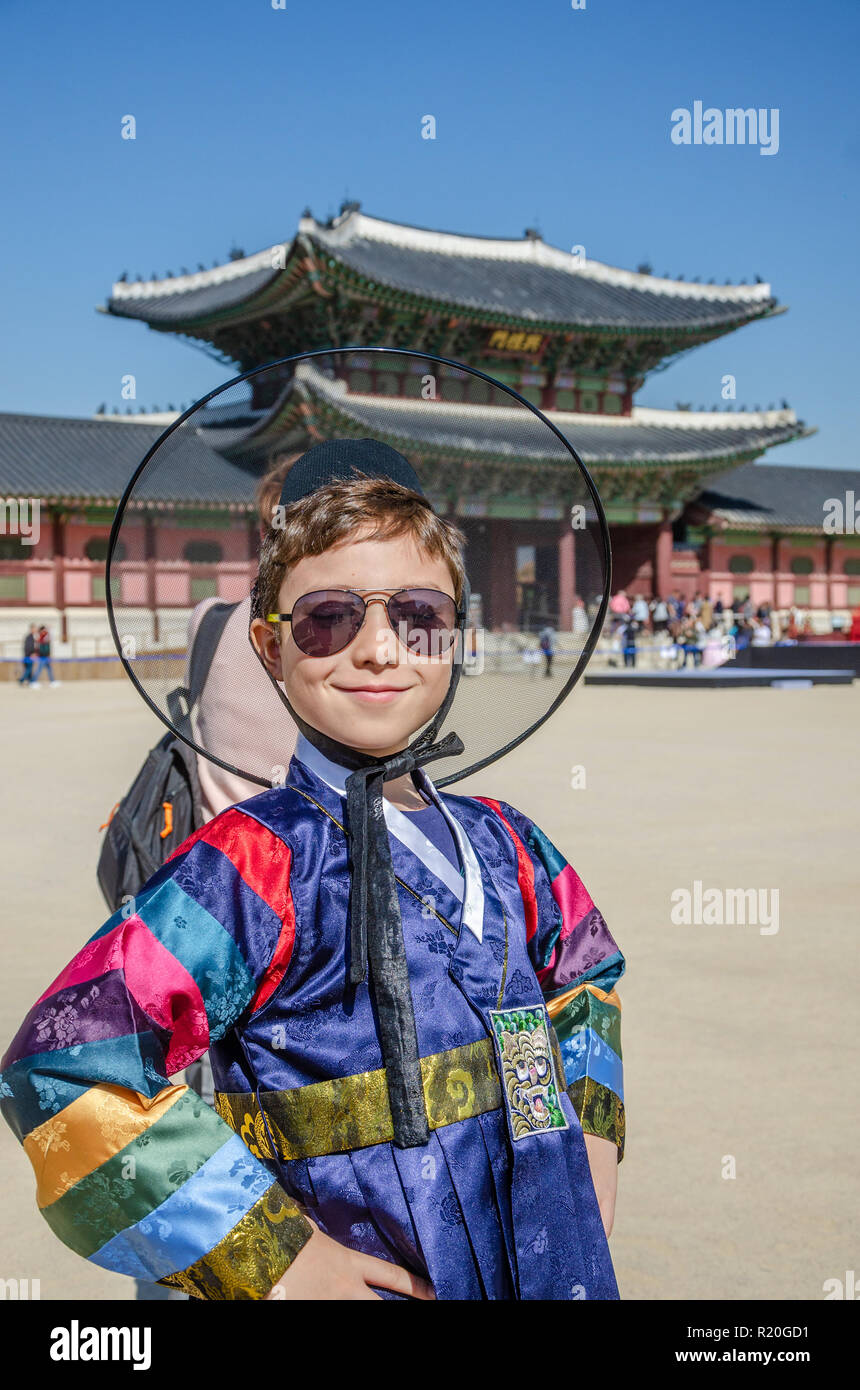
<point x="163" y="804"/>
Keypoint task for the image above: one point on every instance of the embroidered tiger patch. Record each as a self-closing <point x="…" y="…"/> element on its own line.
<point x="526" y="1065"/>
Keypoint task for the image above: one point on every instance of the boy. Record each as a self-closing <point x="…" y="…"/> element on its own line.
<point x="327" y="1173"/>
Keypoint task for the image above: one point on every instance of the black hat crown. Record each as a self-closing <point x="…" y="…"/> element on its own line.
<point x="345" y="458"/>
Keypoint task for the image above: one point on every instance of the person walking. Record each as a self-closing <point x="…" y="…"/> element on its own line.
<point x="628" y="641"/>
<point x="547" y="646"/>
<point x="43" y="652"/>
<point x="26" y="676"/>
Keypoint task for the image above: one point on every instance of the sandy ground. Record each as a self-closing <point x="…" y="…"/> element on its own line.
<point x="740" y="1047"/>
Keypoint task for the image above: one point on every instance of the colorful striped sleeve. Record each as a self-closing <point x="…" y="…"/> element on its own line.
<point x="578" y="965"/>
<point x="134" y="1173"/>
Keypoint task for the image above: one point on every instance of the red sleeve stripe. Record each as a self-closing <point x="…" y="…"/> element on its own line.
<point x="276" y="969"/>
<point x="259" y="856"/>
<point x="525" y="868"/>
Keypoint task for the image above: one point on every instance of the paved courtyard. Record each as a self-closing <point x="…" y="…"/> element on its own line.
<point x="740" y="1044"/>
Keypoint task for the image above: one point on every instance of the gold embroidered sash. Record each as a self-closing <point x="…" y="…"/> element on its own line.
<point x="352" y="1112"/>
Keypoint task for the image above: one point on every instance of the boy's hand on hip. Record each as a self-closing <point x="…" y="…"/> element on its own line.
<point x="603" y="1162"/>
<point x="325" y="1269"/>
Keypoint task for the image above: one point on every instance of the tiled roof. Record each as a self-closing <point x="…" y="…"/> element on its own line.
<point x="528" y="279"/>
<point x="175" y="300"/>
<point x="522" y="278"/>
<point x="491" y="431"/>
<point x="767" y="494"/>
<point x="52" y="457"/>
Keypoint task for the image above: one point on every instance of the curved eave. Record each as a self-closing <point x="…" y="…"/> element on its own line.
<point x="339" y="276"/>
<point x="194" y="303"/>
<point x="318" y="259"/>
<point x="303" y="411"/>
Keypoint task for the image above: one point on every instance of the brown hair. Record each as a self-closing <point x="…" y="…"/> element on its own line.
<point x="340" y="510"/>
<point x="269" y="487"/>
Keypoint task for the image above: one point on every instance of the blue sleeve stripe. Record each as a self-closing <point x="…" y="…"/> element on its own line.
<point x="193" y="1220"/>
<point x="585" y="1053"/>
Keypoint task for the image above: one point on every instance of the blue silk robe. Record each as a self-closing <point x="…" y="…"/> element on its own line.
<point x="240" y="944"/>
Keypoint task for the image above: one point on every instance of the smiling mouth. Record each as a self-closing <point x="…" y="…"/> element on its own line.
<point x="374" y="693"/>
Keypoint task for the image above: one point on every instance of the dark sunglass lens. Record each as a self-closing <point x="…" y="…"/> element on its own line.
<point x="325" y="622"/>
<point x="428" y="619"/>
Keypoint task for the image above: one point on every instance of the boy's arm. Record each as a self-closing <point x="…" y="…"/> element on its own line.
<point x="136" y="1174"/>
<point x="578" y="964"/>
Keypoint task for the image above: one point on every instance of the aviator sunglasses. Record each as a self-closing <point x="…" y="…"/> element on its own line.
<point x="325" y="621"/>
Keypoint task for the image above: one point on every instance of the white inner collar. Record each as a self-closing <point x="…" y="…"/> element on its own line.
<point x="467" y="886"/>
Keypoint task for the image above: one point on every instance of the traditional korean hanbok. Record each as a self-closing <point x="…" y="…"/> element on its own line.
<point x="411" y="1016"/>
<point x="238" y="944"/>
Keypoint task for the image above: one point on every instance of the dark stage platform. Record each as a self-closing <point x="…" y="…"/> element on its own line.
<point x="831" y="656"/>
<point x="720" y="678"/>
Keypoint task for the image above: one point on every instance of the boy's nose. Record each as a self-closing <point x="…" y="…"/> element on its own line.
<point x="374" y="641"/>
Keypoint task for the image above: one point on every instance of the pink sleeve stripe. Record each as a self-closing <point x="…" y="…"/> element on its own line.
<point x="159" y="983"/>
<point x="572" y="897"/>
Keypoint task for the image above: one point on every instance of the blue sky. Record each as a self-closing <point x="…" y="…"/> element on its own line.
<point x="546" y="117"/>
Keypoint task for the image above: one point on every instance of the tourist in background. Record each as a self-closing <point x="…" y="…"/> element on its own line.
<point x="580" y="617"/>
<point x="659" y="615"/>
<point x="547" y="646"/>
<point x="628" y="640"/>
<point x="640" y="611"/>
<point x="690" y="640"/>
<point x="26" y="676"/>
<point x="741" y="630"/>
<point x="676" y="606"/>
<point x="43" y="652"/>
<point x="619" y="607"/>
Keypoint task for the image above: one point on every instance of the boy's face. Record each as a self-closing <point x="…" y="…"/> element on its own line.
<point x="374" y="695"/>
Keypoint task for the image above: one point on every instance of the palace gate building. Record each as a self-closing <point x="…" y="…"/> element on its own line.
<point x="689" y="508"/>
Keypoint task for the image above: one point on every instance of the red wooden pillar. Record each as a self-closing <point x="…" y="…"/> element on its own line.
<point x="566" y="578"/>
<point x="149" y="551"/>
<point x="707" y="558"/>
<point x="503" y="575"/>
<point x="663" y="561"/>
<point x="58" y="545"/>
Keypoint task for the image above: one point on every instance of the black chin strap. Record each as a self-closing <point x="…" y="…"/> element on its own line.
<point x="376" y="934"/>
